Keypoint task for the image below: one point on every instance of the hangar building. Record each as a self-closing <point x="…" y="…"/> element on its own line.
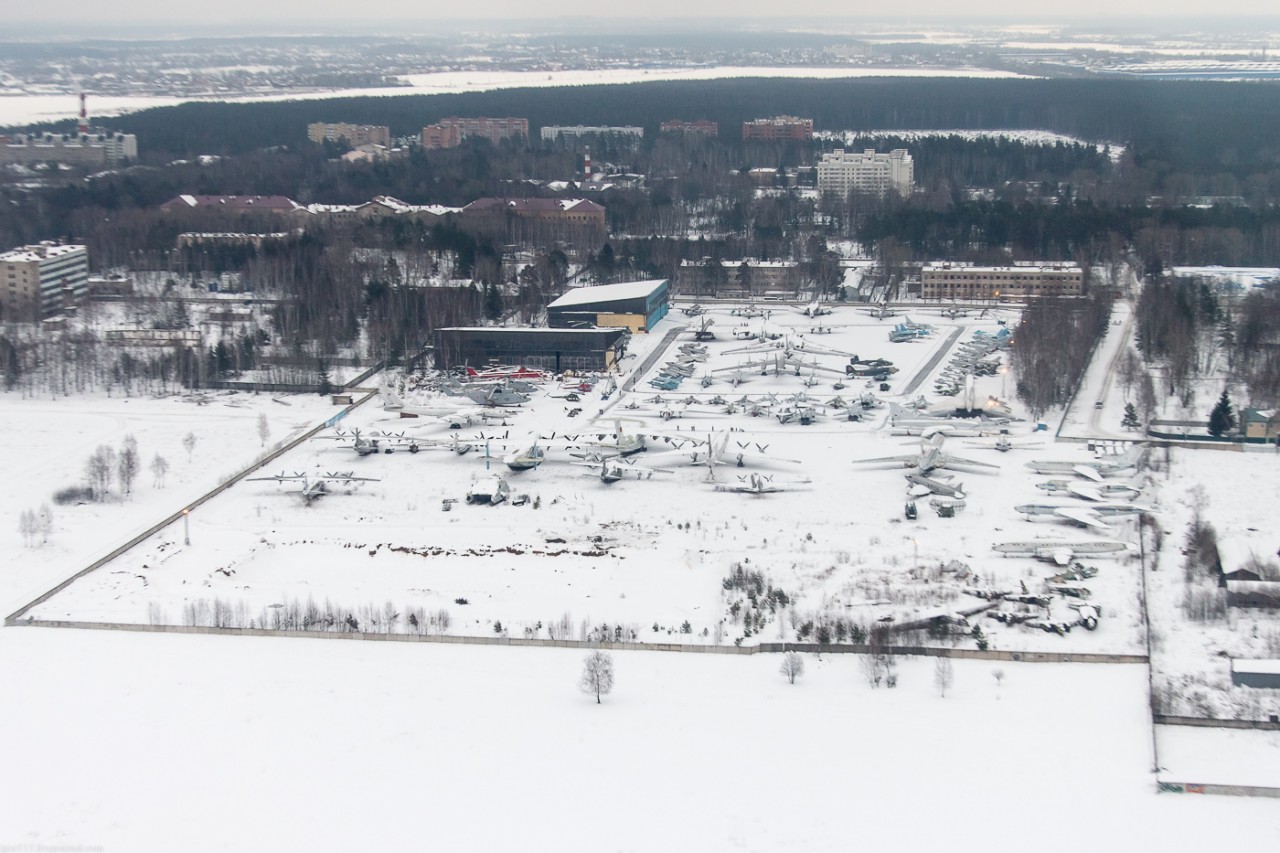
<point x="633" y="305"/>
<point x="547" y="349"/>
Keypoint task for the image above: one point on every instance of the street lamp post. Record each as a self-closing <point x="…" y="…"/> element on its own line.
<point x="186" y="526"/>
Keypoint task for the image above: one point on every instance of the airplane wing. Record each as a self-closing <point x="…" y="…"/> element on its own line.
<point x="952" y="460"/>
<point x="1061" y="556"/>
<point x="1083" y="515"/>
<point x="907" y="461"/>
<point x="1087" y="492"/>
<point x="1088" y="472"/>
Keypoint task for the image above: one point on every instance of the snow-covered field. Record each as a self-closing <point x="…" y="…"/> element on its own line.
<point x="645" y="558"/>
<point x="148" y="743"/>
<point x="159" y="742"/>
<point x="29" y="108"/>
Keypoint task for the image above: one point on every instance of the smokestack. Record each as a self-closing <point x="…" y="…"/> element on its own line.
<point x="84" y="115"/>
<point x="586" y="164"/>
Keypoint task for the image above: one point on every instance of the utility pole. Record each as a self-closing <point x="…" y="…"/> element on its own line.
<point x="186" y="526"/>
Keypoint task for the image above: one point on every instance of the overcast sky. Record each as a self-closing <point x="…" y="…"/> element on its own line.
<point x="302" y="12"/>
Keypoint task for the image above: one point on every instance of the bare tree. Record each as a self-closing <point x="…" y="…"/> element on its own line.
<point x="872" y="668"/>
<point x="792" y="666"/>
<point x="128" y="465"/>
<point x="998" y="675"/>
<point x="27" y="527"/>
<point x="264" y="428"/>
<point x="159" y="467"/>
<point x="597" y="674"/>
<point x="44" y="523"/>
<point x="943" y="675"/>
<point x="189" y="444"/>
<point x="98" y="471"/>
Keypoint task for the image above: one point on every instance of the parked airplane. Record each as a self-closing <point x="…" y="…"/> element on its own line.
<point x="611" y="469"/>
<point x="1092" y="491"/>
<point x="930" y="457"/>
<point x="1005" y="443"/>
<point x="693" y="310"/>
<point x="1062" y="552"/>
<point x="761" y="484"/>
<point x="815" y="309"/>
<point x="922" y="485"/>
<point x="1092" y="515"/>
<point x="1096" y="470"/>
<point x="315" y="486"/>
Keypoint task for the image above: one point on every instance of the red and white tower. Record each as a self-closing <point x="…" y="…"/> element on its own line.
<point x="586" y="164"/>
<point x="84" y="115"/>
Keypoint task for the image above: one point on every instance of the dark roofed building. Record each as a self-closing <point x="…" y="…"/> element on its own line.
<point x="634" y="305"/>
<point x="547" y="349"/>
<point x="270" y="204"/>
<point x="517" y="219"/>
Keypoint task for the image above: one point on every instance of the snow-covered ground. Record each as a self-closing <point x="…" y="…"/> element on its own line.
<point x="642" y="557"/>
<point x="29" y="108"/>
<point x="151" y="742"/>
<point x="148" y="743"/>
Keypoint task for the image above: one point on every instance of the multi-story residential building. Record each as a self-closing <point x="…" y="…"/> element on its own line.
<point x="741" y="279"/>
<point x="352" y="134"/>
<point x="555" y="133"/>
<point x="778" y="128"/>
<point x="701" y="126"/>
<point x="41" y="280"/>
<point x="449" y="132"/>
<point x="92" y="148"/>
<point x="943" y="280"/>
<point x="842" y="172"/>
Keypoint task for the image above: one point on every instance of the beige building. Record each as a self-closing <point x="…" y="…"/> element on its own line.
<point x="842" y="172"/>
<point x="40" y="281"/>
<point x="965" y="282"/>
<point x="449" y="132"/>
<point x="352" y="134"/>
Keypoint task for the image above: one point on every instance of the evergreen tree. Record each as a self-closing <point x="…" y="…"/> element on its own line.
<point x="1222" y="419"/>
<point x="1130" y="417"/>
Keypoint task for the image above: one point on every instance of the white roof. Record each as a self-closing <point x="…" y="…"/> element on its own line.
<point x="1269" y="667"/>
<point x="34" y="253"/>
<point x="607" y="292"/>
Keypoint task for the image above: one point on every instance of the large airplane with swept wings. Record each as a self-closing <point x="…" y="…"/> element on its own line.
<point x="1062" y="552"/>
<point x="315" y="486"/>
<point x="930" y="457"/>
<point x="1088" y="515"/>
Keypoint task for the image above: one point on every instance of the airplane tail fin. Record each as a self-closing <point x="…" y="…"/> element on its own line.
<point x="391" y="401"/>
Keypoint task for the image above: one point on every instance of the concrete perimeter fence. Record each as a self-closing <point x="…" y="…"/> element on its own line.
<point x="697" y="648"/>
<point x="1210" y="723"/>
<point x="1218" y="790"/>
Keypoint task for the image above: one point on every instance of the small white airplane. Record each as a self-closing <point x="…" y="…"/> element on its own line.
<point x="315" y="486"/>
<point x="815" y="309"/>
<point x="1005" y="443"/>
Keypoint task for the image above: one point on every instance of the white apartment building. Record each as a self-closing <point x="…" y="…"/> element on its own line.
<point x="553" y="133"/>
<point x="38" y="281"/>
<point x="843" y="172"/>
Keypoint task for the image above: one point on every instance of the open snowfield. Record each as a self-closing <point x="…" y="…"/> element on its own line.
<point x="642" y="557"/>
<point x="141" y="743"/>
<point x="160" y="742"/>
<point x="22" y="109"/>
<point x="51" y="441"/>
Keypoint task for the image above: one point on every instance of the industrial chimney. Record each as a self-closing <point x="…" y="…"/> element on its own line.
<point x="84" y="116"/>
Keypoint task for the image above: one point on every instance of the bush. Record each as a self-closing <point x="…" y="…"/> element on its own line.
<point x="73" y="495"/>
